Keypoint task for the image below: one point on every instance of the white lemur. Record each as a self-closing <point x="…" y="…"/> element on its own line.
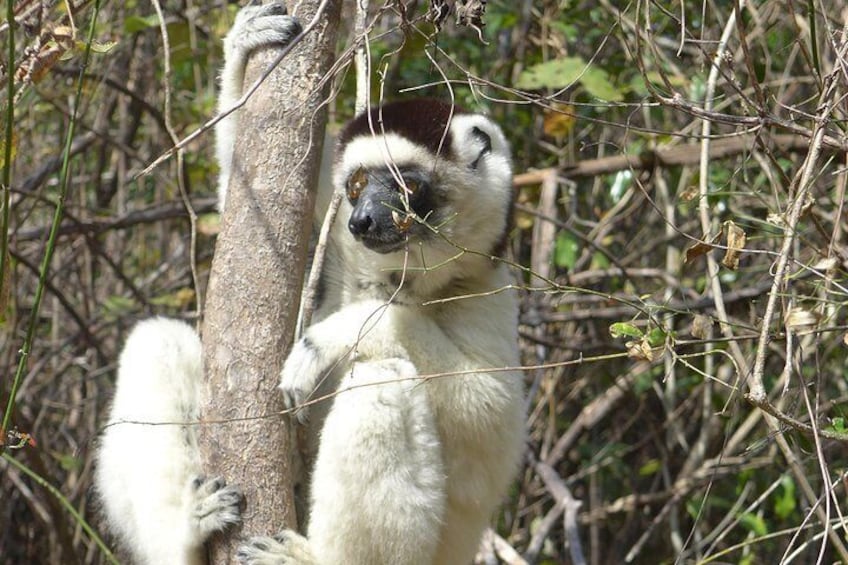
<point x="415" y="342"/>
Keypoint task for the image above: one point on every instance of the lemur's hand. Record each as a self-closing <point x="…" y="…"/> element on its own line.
<point x="259" y="26"/>
<point x="356" y="331"/>
<point x="303" y="371"/>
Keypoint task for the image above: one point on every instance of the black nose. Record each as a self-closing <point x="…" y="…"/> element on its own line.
<point x="362" y="219"/>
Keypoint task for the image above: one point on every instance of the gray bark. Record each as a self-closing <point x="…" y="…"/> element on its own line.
<point x="256" y="280"/>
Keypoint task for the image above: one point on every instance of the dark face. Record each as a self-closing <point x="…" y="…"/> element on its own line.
<point x="385" y="210"/>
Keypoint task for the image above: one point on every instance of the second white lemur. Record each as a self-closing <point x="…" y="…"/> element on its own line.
<point x="415" y="341"/>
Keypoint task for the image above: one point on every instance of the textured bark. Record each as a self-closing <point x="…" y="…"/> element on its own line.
<point x="256" y="279"/>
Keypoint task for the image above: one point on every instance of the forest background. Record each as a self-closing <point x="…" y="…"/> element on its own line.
<point x="679" y="245"/>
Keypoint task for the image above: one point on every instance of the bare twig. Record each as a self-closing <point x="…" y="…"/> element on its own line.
<point x="757" y="394"/>
<point x="562" y="495"/>
<point x="703" y="189"/>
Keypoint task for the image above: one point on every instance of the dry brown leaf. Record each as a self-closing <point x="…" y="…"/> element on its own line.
<point x="559" y="120"/>
<point x="36" y="68"/>
<point x="799" y="318"/>
<point x="700" y="248"/>
<point x="736" y="238"/>
<point x="690" y="193"/>
<point x="701" y="325"/>
<point x="642" y="350"/>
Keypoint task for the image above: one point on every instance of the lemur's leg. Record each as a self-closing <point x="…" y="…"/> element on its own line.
<point x="378" y="485"/>
<point x="148" y="470"/>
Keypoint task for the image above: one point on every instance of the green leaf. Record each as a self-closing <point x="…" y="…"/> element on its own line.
<point x="650" y="468"/>
<point x="103" y="47"/>
<point x="134" y="24"/>
<point x="557" y="73"/>
<point x="564" y="72"/>
<point x="694" y="506"/>
<point x="596" y="82"/>
<point x="785" y="503"/>
<point x="599" y="261"/>
<point x="117" y="306"/>
<point x="754" y="523"/>
<point x="69" y="462"/>
<point x="657" y="337"/>
<point x="623" y="329"/>
<point x="566" y="250"/>
<point x="746" y="560"/>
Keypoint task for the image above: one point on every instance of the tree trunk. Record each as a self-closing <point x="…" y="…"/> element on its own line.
<point x="256" y="279"/>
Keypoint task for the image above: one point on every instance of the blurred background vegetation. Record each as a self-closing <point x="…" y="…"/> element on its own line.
<point x="680" y="242"/>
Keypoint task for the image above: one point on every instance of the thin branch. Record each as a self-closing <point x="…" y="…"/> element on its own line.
<point x="672" y="156"/>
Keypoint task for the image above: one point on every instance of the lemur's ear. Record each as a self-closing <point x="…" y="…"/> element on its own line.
<point x="481" y="138"/>
<point x="479" y="144"/>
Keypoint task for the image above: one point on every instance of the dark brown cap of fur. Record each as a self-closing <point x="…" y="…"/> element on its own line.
<point x="423" y="121"/>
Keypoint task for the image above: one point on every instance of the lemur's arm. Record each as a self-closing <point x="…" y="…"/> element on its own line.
<point x="254" y="27"/>
<point x="354" y="331"/>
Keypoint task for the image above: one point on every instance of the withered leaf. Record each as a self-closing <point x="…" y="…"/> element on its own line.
<point x="701" y="325"/>
<point x="736" y="239"/>
<point x="799" y="318"/>
<point x="690" y="193"/>
<point x="642" y="350"/>
<point x="700" y="248"/>
<point x="559" y="120"/>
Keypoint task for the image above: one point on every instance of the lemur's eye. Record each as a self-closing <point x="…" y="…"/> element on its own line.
<point x="356" y="182"/>
<point x="402" y="221"/>
<point x="411" y="186"/>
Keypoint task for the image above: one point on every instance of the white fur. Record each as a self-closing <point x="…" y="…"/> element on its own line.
<point x="378" y="491"/>
<point x="398" y="359"/>
<point x="148" y="468"/>
<point x="478" y="426"/>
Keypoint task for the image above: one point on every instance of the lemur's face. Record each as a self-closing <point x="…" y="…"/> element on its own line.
<point x="391" y="206"/>
<point x="424" y="172"/>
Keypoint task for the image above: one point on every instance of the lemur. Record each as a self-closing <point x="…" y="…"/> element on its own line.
<point x="415" y="343"/>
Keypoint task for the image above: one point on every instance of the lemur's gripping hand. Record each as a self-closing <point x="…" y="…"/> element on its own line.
<point x="355" y="330"/>
<point x="258" y="26"/>
<point x="302" y="372"/>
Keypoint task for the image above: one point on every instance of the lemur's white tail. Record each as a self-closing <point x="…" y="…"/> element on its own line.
<point x="148" y="471"/>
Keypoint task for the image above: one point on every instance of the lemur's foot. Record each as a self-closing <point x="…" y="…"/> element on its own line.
<point x="217" y="505"/>
<point x="286" y="548"/>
